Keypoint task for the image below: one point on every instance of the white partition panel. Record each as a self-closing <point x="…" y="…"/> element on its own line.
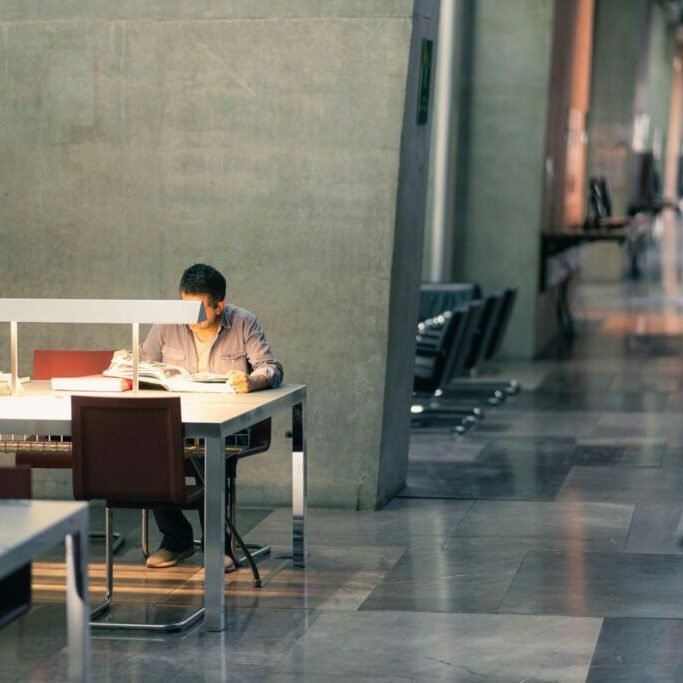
<point x="101" y="311"/>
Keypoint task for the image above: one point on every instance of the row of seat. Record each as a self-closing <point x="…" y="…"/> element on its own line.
<point x="451" y="350"/>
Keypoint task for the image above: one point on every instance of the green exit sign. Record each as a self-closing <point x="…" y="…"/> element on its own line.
<point x="425" y="80"/>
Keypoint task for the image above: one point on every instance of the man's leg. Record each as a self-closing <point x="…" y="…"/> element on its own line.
<point x="177" y="538"/>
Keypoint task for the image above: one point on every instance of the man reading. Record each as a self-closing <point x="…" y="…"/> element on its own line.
<point x="230" y="341"/>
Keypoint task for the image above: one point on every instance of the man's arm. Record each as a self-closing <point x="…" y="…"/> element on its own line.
<point x="266" y="371"/>
<point x="150" y="350"/>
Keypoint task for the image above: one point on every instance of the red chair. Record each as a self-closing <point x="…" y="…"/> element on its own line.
<point x="43" y="452"/>
<point x="66" y="363"/>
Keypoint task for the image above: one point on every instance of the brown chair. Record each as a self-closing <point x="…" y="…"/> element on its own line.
<point x="255" y="440"/>
<point x="129" y="452"/>
<point x="15" y="589"/>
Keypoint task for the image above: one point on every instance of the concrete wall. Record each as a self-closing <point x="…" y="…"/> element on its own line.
<point x="662" y="47"/>
<point x="502" y="145"/>
<point x="267" y="139"/>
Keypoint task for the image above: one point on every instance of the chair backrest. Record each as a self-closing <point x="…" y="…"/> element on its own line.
<point x="462" y="345"/>
<point x="434" y="342"/>
<point x="504" y="313"/>
<point x="482" y="335"/>
<point x="259" y="438"/>
<point x="66" y="363"/>
<point x="128" y="449"/>
<point x="445" y="296"/>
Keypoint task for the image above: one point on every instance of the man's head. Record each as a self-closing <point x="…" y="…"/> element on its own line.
<point x="204" y="283"/>
<point x="203" y="279"/>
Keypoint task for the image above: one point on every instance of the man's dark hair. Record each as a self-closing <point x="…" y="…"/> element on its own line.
<point x="203" y="279"/>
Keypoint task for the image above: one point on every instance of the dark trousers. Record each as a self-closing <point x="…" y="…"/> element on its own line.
<point x="177" y="530"/>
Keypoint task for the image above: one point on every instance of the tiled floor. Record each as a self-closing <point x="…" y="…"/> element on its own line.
<point x="539" y="547"/>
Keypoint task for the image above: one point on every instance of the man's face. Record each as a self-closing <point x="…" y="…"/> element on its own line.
<point x="212" y="313"/>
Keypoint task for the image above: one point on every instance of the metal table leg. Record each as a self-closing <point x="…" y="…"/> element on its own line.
<point x="214" y="534"/>
<point x="77" y="610"/>
<point x="299" y="547"/>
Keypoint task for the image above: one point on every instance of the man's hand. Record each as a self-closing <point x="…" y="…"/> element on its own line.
<point x="240" y="382"/>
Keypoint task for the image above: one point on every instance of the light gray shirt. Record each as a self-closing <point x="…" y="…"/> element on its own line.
<point x="239" y="345"/>
<point x="203" y="350"/>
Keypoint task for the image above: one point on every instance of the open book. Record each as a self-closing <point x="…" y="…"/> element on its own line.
<point x="171" y="377"/>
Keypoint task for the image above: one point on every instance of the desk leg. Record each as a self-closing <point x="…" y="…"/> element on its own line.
<point x="214" y="534"/>
<point x="77" y="609"/>
<point x="299" y="546"/>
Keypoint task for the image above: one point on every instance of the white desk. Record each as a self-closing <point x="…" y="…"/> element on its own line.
<point x="29" y="528"/>
<point x="211" y="417"/>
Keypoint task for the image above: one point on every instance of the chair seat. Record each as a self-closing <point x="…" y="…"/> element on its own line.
<point x="53" y="459"/>
<point x="195" y="495"/>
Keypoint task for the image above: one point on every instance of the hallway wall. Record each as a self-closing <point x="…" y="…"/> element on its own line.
<point x="502" y="144"/>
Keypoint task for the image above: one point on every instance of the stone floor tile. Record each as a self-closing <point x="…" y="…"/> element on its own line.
<point x="638" y="651"/>
<point x="577" y="583"/>
<point x="445" y="647"/>
<point x="595" y="526"/>
<point x="623" y="485"/>
<point x="611" y="451"/>
<point x="394" y="525"/>
<point x="501" y="475"/>
<point x="467" y="576"/>
<point x="653" y="529"/>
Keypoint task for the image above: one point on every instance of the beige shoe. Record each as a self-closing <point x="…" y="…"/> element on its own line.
<point x="230" y="564"/>
<point x="167" y="558"/>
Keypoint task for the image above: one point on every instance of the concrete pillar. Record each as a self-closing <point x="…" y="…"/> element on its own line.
<point x="437" y="258"/>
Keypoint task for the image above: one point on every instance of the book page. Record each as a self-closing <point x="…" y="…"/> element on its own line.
<point x="208" y="377"/>
<point x="188" y="385"/>
<point x="154" y="371"/>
